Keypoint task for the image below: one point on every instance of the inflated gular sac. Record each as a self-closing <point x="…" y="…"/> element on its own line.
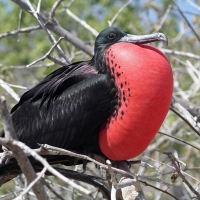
<point x="144" y="79"/>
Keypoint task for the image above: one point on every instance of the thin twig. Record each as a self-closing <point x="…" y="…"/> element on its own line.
<point x="34" y="66"/>
<point x="19" y="22"/>
<point x="60" y="31"/>
<point x="175" y="163"/>
<point x="110" y="22"/>
<point x="192" y="108"/>
<point x="53" y="9"/>
<point x="193" y="5"/>
<point x="180" y="140"/>
<point x="163" y="19"/>
<point x="50" y="150"/>
<point x="56" y="61"/>
<point x="188" y="12"/>
<point x="58" y="196"/>
<point x="188" y="23"/>
<point x="12" y="85"/>
<point x="185" y="115"/>
<point x="47" y="54"/>
<point x="164" y="191"/>
<point x="181" y="53"/>
<point x="39" y="18"/>
<point x="39" y="176"/>
<point x="38" y="7"/>
<point x="22" y="30"/>
<point x="9" y="90"/>
<point x="82" y="22"/>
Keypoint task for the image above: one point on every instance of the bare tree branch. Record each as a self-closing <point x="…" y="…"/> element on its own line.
<point x="53" y="9"/>
<point x="183" y="141"/>
<point x="21" y="157"/>
<point x="9" y="90"/>
<point x="52" y="190"/>
<point x="47" y="54"/>
<point x="193" y="5"/>
<point x="39" y="176"/>
<point x="180" y="11"/>
<point x="110" y="22"/>
<point x="52" y="26"/>
<point x="163" y="19"/>
<point x="80" y="21"/>
<point x="56" y="61"/>
<point x="193" y="109"/>
<point x="22" y="30"/>
<point x="37" y="15"/>
<point x="164" y="191"/>
<point x="22" y="146"/>
<point x="180" y="53"/>
<point x="25" y="67"/>
<point x="175" y="163"/>
<point x="185" y="115"/>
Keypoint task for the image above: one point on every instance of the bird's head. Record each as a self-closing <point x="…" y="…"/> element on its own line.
<point x="113" y="35"/>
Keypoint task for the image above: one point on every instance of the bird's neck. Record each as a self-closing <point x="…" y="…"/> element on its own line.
<point x="99" y="60"/>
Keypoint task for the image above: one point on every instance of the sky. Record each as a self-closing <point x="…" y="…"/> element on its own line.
<point x="185" y="6"/>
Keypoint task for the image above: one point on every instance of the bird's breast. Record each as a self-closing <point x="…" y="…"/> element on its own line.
<point x="144" y="80"/>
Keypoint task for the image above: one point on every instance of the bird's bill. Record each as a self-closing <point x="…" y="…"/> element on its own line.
<point x="144" y="39"/>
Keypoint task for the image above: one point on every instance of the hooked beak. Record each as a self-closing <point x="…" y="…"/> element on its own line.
<point x="144" y="39"/>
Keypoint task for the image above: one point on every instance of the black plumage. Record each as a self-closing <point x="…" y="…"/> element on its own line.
<point x="66" y="109"/>
<point x="69" y="107"/>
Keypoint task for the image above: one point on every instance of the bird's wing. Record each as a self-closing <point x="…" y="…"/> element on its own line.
<point x="48" y="87"/>
<point x="65" y="113"/>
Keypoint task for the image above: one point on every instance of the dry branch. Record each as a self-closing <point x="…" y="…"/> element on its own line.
<point x="9" y="90"/>
<point x="22" y="30"/>
<point x="54" y="27"/>
<point x="189" y="24"/>
<point x="183" y="141"/>
<point x="185" y="115"/>
<point x="47" y="54"/>
<point x="21" y="157"/>
<point x="176" y="164"/>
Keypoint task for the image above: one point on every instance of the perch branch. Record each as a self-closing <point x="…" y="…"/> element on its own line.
<point x="21" y="157"/>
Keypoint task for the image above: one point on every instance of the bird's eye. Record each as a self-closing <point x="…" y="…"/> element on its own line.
<point x="111" y="36"/>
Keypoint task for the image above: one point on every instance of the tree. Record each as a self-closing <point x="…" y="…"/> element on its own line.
<point x="29" y="42"/>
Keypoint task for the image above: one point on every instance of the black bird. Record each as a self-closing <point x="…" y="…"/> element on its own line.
<point x="70" y="107"/>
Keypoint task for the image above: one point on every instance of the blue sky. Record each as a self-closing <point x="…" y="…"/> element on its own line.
<point x="185" y="6"/>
